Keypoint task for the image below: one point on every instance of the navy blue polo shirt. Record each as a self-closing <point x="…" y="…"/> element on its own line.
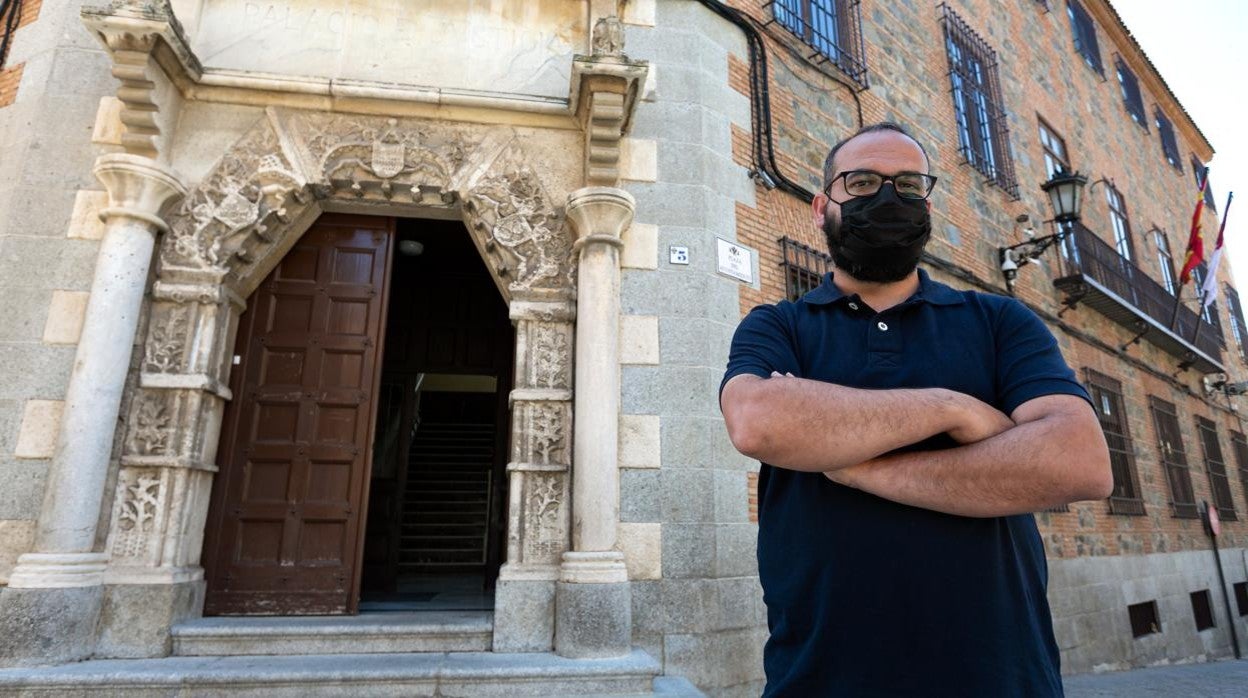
<point x="867" y="597"/>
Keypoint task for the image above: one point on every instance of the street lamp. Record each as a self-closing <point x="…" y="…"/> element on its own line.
<point x="1065" y="190"/>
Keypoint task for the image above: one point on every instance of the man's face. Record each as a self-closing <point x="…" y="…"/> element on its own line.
<point x="886" y="152"/>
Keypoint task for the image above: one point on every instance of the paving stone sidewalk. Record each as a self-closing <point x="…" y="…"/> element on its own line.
<point x="1222" y="679"/>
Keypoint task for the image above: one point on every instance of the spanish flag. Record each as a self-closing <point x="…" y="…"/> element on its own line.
<point x="1195" y="245"/>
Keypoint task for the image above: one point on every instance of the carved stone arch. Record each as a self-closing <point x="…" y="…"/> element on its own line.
<point x="230" y="232"/>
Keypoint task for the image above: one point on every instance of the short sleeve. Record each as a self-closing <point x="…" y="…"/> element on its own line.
<point x="1029" y="363"/>
<point x="764" y="342"/>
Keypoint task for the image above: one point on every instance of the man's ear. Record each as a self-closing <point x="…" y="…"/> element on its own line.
<point x="929" y="205"/>
<point x="819" y="205"/>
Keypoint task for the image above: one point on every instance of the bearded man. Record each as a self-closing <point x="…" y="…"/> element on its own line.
<point x="906" y="431"/>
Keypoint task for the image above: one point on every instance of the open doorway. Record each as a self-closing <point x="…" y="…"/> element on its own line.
<point x="435" y="533"/>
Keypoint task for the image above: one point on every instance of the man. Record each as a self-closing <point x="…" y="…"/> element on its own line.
<point x="906" y="431"/>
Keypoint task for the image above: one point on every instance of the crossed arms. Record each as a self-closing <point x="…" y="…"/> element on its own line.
<point x="1050" y="451"/>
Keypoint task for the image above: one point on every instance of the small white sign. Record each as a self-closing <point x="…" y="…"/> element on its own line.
<point x="735" y="261"/>
<point x="678" y="255"/>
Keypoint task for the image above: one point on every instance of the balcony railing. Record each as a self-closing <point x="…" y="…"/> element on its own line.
<point x="1095" y="274"/>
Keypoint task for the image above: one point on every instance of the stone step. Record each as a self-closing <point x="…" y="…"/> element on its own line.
<point x="424" y="631"/>
<point x="308" y="676"/>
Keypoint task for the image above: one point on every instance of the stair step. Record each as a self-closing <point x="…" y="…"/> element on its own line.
<point x="397" y="674"/>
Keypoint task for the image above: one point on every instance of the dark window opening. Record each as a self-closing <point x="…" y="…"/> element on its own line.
<point x="1241" y="597"/>
<point x="833" y="28"/>
<point x="1219" y="484"/>
<point x="1174" y="459"/>
<point x="1199" y="171"/>
<point x="1237" y="320"/>
<point x="1084" y="32"/>
<point x="1107" y="398"/>
<point x="1239" y="445"/>
<point x="803" y="268"/>
<point x="1131" y="96"/>
<point x="1202" y="610"/>
<point x="1169" y="146"/>
<point x="1054" y="146"/>
<point x="1144" y="619"/>
<point x="983" y="134"/>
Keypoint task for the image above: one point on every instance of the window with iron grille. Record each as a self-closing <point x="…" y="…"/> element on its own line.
<point x="833" y="28"/>
<point x="1084" y="32"/>
<point x="1173" y="459"/>
<point x="1199" y="171"/>
<point x="1241" y="598"/>
<point x="1219" y="484"/>
<point x="1238" y="328"/>
<point x="1107" y="398"/>
<point x="1202" y="610"/>
<point x="1239" y="445"/>
<point x="803" y="267"/>
<point x="1120" y="224"/>
<point x="983" y="135"/>
<point x="1144" y="619"/>
<point x="1169" y="146"/>
<point x="1054" y="150"/>
<point x="1131" y="96"/>
<point x="1165" y="260"/>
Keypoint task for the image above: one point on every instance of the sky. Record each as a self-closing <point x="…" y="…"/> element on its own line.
<point x="1200" y="47"/>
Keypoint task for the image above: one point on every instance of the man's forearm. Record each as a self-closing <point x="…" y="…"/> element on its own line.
<point x="811" y="425"/>
<point x="1033" y="466"/>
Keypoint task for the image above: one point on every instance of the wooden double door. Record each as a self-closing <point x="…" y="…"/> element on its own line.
<point x="285" y="522"/>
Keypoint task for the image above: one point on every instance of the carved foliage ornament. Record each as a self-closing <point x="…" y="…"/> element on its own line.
<point x="544" y="539"/>
<point x="139" y="500"/>
<point x="166" y="341"/>
<point x="150" y="434"/>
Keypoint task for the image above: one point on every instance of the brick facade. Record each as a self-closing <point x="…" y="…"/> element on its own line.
<point x="1041" y="77"/>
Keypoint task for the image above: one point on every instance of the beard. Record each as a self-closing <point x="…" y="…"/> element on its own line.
<point x="873" y="273"/>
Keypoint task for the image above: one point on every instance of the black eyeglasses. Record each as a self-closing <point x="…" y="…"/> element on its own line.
<point x="909" y="185"/>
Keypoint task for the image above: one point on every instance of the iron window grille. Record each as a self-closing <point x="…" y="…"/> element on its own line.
<point x="1202" y="610"/>
<point x="833" y="28"/>
<point x="803" y="266"/>
<point x="1165" y="260"/>
<point x="1169" y="146"/>
<point x="1173" y="459"/>
<point x="1144" y="619"/>
<point x="1084" y="32"/>
<point x="983" y="132"/>
<point x="1238" y="328"/>
<point x="1219" y="483"/>
<point x="1131" y="96"/>
<point x="1054" y="150"/>
<point x="1239" y="445"/>
<point x="1107" y="399"/>
<point x="1199" y="171"/>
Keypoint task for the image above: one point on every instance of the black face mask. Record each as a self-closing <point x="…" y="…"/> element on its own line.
<point x="879" y="238"/>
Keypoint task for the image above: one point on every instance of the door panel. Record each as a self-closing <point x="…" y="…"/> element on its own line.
<point x="288" y="505"/>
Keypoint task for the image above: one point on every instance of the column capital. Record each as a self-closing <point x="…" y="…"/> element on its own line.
<point x="138" y="188"/>
<point x="600" y="214"/>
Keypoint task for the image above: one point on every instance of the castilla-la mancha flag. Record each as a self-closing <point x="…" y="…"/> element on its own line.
<point x="1195" y="245"/>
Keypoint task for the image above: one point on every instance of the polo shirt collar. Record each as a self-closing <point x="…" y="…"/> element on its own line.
<point x="929" y="291"/>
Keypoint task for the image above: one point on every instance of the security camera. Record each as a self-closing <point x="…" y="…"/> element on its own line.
<point x="1008" y="265"/>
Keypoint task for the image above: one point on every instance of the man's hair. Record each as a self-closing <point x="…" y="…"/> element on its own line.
<point x="828" y="172"/>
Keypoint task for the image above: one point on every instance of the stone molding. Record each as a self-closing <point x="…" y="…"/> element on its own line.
<point x="603" y="96"/>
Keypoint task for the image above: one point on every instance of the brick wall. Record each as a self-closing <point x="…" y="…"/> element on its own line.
<point x="11" y="75"/>
<point x="1041" y="76"/>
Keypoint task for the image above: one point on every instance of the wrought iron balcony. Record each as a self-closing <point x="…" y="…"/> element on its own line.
<point x="1095" y="274"/>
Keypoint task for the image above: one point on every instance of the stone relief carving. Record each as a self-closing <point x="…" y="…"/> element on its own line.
<point x="544" y="540"/>
<point x="550" y="356"/>
<point x="150" y="433"/>
<point x="166" y="342"/>
<point x="140" y="495"/>
<point x="547" y="434"/>
<point x="511" y="205"/>
<point x="608" y="37"/>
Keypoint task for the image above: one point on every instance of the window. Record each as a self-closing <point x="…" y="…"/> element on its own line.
<point x="1131" y="96"/>
<point x="1199" y="171"/>
<point x="1219" y="485"/>
<point x="833" y="28"/>
<point x="983" y="135"/>
<point x="1202" y="610"/>
<point x="1240" y="446"/>
<point x="1173" y="459"/>
<point x="1084" y="32"/>
<point x="1107" y="397"/>
<point x="1168" y="145"/>
<point x="1241" y="598"/>
<point x="1208" y="313"/>
<point x="1118" y="218"/>
<point x="1166" y="261"/>
<point x="1237" y="320"/>
<point x="803" y="268"/>
<point x="1144" y="619"/>
<point x="1054" y="150"/>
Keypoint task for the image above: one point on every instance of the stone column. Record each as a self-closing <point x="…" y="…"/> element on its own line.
<point x="593" y="609"/>
<point x="49" y="611"/>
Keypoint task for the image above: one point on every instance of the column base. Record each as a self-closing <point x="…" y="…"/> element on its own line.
<point x="58" y="570"/>
<point x="593" y="620"/>
<point x="48" y="625"/>
<point x="524" y="612"/>
<point x="136" y="619"/>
